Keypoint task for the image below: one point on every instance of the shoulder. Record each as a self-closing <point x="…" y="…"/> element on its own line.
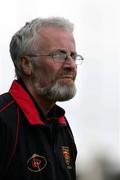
<point x="7" y="107"/>
<point x="8" y="112"/>
<point x="5" y="101"/>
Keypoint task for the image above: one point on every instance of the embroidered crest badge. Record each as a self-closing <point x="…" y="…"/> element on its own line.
<point x="36" y="163"/>
<point x="67" y="156"/>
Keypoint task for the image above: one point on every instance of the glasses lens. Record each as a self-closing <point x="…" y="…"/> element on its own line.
<point x="74" y="56"/>
<point x="59" y="56"/>
<point x="79" y="59"/>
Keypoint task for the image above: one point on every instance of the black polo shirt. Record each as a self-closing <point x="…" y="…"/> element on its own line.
<point x="33" y="146"/>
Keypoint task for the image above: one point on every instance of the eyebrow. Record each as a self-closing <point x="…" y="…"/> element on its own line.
<point x="63" y="50"/>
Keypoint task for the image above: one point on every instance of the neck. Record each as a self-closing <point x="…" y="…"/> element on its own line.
<point x="44" y="103"/>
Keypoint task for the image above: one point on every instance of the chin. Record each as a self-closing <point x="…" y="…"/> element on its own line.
<point x="65" y="98"/>
<point x="62" y="91"/>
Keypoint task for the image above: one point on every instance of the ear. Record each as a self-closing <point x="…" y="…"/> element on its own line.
<point x="26" y="66"/>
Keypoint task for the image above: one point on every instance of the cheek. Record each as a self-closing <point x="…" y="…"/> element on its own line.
<point x="47" y="72"/>
<point x="51" y="71"/>
<point x="46" y="76"/>
<point x="75" y="71"/>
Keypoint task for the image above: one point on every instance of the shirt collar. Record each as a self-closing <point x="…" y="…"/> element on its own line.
<point x="34" y="114"/>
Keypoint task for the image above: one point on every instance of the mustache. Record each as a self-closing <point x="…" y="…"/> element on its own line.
<point x="68" y="73"/>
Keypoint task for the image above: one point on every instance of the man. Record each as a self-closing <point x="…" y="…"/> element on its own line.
<point x="36" y="142"/>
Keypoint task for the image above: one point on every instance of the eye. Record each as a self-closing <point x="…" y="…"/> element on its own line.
<point x="74" y="55"/>
<point x="59" y="55"/>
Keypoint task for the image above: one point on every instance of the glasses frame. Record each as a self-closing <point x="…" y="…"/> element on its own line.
<point x="63" y="57"/>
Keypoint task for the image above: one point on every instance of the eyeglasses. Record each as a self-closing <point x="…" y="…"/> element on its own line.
<point x="61" y="56"/>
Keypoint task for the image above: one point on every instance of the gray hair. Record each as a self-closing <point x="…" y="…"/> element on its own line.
<point x="25" y="40"/>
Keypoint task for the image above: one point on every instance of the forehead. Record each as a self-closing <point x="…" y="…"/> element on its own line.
<point x="56" y="37"/>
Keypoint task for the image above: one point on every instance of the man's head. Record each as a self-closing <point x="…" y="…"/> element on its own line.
<point x="44" y="55"/>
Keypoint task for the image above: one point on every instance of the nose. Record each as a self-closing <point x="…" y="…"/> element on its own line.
<point x="70" y="62"/>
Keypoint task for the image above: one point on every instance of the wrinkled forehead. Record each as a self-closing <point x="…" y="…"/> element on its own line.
<point x="54" y="36"/>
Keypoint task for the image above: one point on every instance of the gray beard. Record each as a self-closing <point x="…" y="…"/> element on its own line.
<point x="56" y="92"/>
